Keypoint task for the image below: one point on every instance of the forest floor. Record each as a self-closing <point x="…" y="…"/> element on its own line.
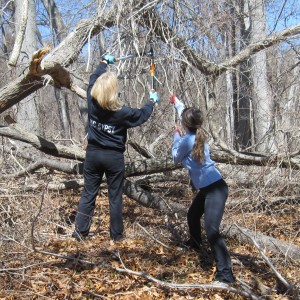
<point x="40" y="260"/>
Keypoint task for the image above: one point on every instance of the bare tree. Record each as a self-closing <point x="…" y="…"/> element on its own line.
<point x="262" y="107"/>
<point x="58" y="33"/>
<point x="25" y="44"/>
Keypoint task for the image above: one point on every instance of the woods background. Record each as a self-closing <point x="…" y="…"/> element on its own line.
<point x="236" y="60"/>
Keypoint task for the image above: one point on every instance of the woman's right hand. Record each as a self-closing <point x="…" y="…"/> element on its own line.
<point x="110" y="59"/>
<point x="154" y="96"/>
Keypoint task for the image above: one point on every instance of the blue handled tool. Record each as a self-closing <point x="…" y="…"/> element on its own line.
<point x="129" y="56"/>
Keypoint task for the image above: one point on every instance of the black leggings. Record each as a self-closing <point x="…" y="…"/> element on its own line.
<point x="97" y="163"/>
<point x="210" y="201"/>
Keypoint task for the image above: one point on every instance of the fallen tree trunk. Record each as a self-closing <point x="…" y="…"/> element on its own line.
<point x="49" y="164"/>
<point x="288" y="250"/>
<point x="142" y="167"/>
<point x="16" y="132"/>
<point x="264" y="204"/>
<point x="143" y="197"/>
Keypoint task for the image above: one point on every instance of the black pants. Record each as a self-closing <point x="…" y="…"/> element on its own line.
<point x="210" y="201"/>
<point x="99" y="162"/>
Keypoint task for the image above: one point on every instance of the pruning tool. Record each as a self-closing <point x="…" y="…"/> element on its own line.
<point x="129" y="56"/>
<point x="150" y="54"/>
<point x="152" y="70"/>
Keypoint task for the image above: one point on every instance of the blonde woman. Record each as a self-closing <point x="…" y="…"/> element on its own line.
<point x="192" y="151"/>
<point x="108" y="121"/>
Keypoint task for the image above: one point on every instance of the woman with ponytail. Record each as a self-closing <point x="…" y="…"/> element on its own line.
<point x="192" y="151"/>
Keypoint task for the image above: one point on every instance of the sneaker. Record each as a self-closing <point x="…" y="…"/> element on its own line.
<point x="118" y="238"/>
<point x="227" y="280"/>
<point x="78" y="237"/>
<point x="190" y="243"/>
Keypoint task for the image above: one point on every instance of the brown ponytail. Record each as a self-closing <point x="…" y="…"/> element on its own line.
<point x="198" y="150"/>
<point x="192" y="119"/>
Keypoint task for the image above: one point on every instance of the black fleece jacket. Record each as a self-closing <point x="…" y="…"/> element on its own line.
<point x="108" y="129"/>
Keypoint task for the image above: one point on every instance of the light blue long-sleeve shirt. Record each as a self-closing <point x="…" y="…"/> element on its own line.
<point x="202" y="174"/>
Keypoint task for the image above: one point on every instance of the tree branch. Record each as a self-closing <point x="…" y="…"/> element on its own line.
<point x="207" y="67"/>
<point x="288" y="286"/>
<point x="260" y="45"/>
<point x="20" y="35"/>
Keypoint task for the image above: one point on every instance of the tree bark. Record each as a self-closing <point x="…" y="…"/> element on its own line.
<point x="26" y="112"/>
<point x="263" y="113"/>
<point x="20" y="34"/>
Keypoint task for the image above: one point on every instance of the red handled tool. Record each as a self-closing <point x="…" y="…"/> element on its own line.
<point x="172" y="99"/>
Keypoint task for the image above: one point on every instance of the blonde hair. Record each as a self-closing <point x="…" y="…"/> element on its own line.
<point x="192" y="119"/>
<point x="105" y="91"/>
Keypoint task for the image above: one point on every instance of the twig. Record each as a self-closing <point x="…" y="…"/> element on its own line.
<point x="266" y="259"/>
<point x="36" y="217"/>
<point x="24" y="267"/>
<point x="214" y="286"/>
<point x="152" y="237"/>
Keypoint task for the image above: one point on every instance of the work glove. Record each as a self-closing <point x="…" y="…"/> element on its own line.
<point x="110" y="59"/>
<point x="154" y="97"/>
<point x="173" y="99"/>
